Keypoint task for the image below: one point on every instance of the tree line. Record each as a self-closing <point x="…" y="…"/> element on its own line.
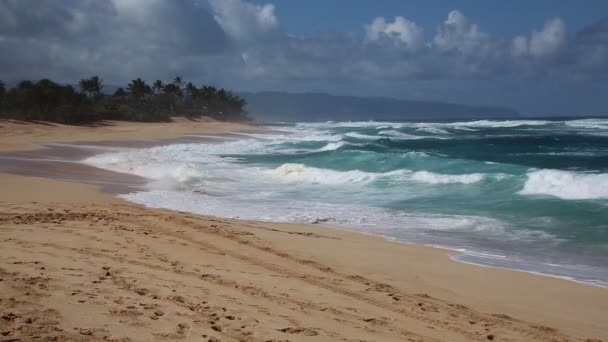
<point x="46" y="100"/>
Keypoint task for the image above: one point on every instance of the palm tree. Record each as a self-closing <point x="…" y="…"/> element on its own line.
<point x="179" y="83"/>
<point x="158" y="86"/>
<point x="120" y="93"/>
<point x="92" y="86"/>
<point x="96" y="85"/>
<point x="171" y="88"/>
<point x="192" y="90"/>
<point x="208" y="92"/>
<point x="139" y="89"/>
<point x="85" y="86"/>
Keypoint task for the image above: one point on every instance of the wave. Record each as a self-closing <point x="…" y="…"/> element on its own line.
<point x="588" y="123"/>
<point x="167" y="175"/>
<point x="299" y="173"/>
<point x="292" y="135"/>
<point x="416" y="154"/>
<point x="368" y="219"/>
<point x="292" y="172"/>
<point x="393" y="134"/>
<point x="435" y="178"/>
<point x="499" y="124"/>
<point x="351" y="124"/>
<point x="568" y="185"/>
<point x="400" y="135"/>
<point x="361" y="136"/>
<point x="432" y="130"/>
<point x="332" y="146"/>
<point x="384" y="124"/>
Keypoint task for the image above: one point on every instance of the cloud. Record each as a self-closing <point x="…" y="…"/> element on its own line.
<point x="117" y="38"/>
<point x="458" y="34"/>
<point x="232" y="41"/>
<point x="245" y="22"/>
<point x="544" y="43"/>
<point x="42" y="20"/>
<point x="588" y="52"/>
<point x="400" y="31"/>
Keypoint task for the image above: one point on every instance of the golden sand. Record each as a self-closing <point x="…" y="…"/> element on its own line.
<point x="77" y="263"/>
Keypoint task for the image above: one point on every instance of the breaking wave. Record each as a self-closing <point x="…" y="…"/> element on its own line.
<point x="530" y="191"/>
<point x="566" y="184"/>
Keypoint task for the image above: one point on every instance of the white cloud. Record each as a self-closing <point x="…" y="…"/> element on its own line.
<point x="400" y="30"/>
<point x="244" y="21"/>
<point x="544" y="43"/>
<point x="458" y="34"/>
<point x="120" y="39"/>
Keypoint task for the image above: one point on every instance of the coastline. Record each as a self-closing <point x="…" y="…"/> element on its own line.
<point x="349" y="270"/>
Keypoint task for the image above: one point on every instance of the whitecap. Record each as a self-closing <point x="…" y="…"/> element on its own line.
<point x="393" y="134"/>
<point x="588" y="123"/>
<point x="332" y="146"/>
<point x="435" y="178"/>
<point x="567" y="185"/>
<point x="499" y="124"/>
<point x="299" y="173"/>
<point x="361" y="136"/>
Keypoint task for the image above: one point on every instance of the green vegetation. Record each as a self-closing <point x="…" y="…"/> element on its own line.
<point x="46" y="100"/>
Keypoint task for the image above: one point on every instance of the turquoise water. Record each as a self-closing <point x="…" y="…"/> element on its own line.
<point x="523" y="194"/>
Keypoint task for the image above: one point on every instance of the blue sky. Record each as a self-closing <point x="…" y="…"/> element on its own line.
<point x="538" y="56"/>
<point x="503" y="18"/>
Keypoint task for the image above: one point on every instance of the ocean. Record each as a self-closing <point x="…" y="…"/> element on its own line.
<point x="529" y="195"/>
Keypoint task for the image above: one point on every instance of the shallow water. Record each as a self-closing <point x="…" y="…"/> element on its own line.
<point x="523" y="194"/>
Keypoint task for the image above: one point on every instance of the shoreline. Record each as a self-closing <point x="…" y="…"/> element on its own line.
<point x="442" y="269"/>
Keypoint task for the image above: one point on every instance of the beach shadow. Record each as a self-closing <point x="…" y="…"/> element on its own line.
<point x="96" y="124"/>
<point x="45" y="123"/>
<point x="17" y="122"/>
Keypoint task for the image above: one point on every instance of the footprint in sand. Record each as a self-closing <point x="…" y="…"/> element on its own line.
<point x="299" y="330"/>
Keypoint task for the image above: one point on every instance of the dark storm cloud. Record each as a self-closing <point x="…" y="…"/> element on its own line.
<point x="44" y="19"/>
<point x="117" y="39"/>
<point x="588" y="56"/>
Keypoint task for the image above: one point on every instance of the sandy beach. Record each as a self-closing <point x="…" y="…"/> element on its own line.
<point x="79" y="263"/>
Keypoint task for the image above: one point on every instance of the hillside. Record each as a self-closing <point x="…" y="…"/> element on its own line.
<point x="289" y="107"/>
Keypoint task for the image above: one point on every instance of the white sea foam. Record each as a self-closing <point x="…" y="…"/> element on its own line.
<point x="362" y="217"/>
<point x="362" y="136"/>
<point x="430" y="127"/>
<point x="432" y="130"/>
<point x="434" y="178"/>
<point x="172" y="165"/>
<point x="498" y="124"/>
<point x="568" y="185"/>
<point x="400" y="135"/>
<point x="588" y="123"/>
<point x="353" y="124"/>
<point x="416" y="154"/>
<point x="393" y="134"/>
<point x="288" y="134"/>
<point x="162" y="174"/>
<point x="299" y="173"/>
<point x="332" y="146"/>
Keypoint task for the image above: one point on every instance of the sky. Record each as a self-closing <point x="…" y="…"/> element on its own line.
<point x="539" y="57"/>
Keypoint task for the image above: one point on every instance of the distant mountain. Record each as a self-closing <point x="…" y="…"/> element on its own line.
<point x="290" y="107"/>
